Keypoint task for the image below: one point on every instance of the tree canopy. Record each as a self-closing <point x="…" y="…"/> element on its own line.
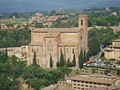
<point x="14" y="38"/>
<point x="97" y="37"/>
<point x="14" y="69"/>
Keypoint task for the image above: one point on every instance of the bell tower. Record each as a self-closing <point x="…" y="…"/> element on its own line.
<point x="83" y="22"/>
<point x="83" y="27"/>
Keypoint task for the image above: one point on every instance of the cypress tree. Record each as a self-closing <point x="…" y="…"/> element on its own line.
<point x="87" y="56"/>
<point x="51" y="62"/>
<point x="58" y="64"/>
<point x="74" y="61"/>
<point x="34" y="58"/>
<point x="93" y="46"/>
<point x="69" y="64"/>
<point x="84" y="56"/>
<point x="6" y="55"/>
<point x="62" y="61"/>
<point x="81" y="58"/>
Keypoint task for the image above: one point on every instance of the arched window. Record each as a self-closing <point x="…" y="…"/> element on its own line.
<point x="81" y="22"/>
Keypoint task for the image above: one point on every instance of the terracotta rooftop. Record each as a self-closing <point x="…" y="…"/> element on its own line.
<point x="93" y="79"/>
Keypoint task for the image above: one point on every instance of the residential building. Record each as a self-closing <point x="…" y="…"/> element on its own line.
<point x="20" y="52"/>
<point x="113" y="51"/>
<point x="95" y="82"/>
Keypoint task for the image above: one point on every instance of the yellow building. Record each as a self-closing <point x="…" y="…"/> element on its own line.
<point x="113" y="51"/>
<point x="95" y="82"/>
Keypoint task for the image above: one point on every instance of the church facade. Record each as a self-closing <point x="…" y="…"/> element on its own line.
<point x="50" y="42"/>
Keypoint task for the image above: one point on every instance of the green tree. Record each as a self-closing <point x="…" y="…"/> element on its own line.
<point x="35" y="83"/>
<point x="13" y="38"/>
<point x="62" y="61"/>
<point x="6" y="54"/>
<point x="107" y="62"/>
<point x="118" y="72"/>
<point x="34" y="74"/>
<point x="34" y="58"/>
<point x="3" y="56"/>
<point x="69" y="64"/>
<point x="85" y="57"/>
<point x="81" y="60"/>
<point x="58" y="64"/>
<point x="97" y="37"/>
<point x="118" y="62"/>
<point x="39" y="25"/>
<point x="51" y="62"/>
<point x="15" y="67"/>
<point x="112" y="60"/>
<point x="93" y="46"/>
<point x="10" y="71"/>
<point x="74" y="61"/>
<point x="103" y="58"/>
